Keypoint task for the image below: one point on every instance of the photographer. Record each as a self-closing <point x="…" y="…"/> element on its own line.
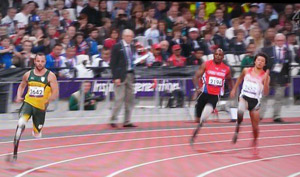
<point x="89" y="98"/>
<point x="121" y="22"/>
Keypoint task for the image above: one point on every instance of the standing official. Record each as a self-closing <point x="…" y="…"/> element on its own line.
<point x="279" y="65"/>
<point x="122" y="67"/>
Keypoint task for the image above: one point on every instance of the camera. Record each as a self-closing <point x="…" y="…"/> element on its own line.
<point x="122" y="15"/>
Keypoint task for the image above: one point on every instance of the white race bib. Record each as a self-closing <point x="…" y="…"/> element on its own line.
<point x="250" y="87"/>
<point x="214" y="81"/>
<point x="36" y="91"/>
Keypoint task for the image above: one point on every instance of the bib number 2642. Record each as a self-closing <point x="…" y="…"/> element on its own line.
<point x="36" y="91"/>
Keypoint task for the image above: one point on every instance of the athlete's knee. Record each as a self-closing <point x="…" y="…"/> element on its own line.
<point x="240" y="116"/>
<point x="22" y="121"/>
<point x="208" y="109"/>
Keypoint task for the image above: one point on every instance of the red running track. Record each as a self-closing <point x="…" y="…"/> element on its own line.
<point x="156" y="149"/>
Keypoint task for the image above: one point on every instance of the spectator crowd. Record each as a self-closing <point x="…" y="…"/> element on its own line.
<point x="77" y="35"/>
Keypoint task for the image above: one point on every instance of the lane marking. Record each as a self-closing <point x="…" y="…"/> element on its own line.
<point x="137" y="115"/>
<point x="143" y="131"/>
<point x="147" y="148"/>
<point x="294" y="174"/>
<point x="179" y="157"/>
<point x="151" y="138"/>
<point x="104" y="116"/>
<point x="246" y="162"/>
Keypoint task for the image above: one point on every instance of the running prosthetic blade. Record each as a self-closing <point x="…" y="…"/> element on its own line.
<point x="192" y="140"/>
<point x="16" y="142"/>
<point x="234" y="138"/>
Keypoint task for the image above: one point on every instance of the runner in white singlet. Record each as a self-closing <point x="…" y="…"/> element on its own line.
<point x="256" y="82"/>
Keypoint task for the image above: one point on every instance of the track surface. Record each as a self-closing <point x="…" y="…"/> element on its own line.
<point x="155" y="149"/>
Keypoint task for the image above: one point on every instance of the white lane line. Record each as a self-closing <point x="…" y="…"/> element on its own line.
<point x="150" y="138"/>
<point x="246" y="162"/>
<point x="147" y="148"/>
<point x="99" y="117"/>
<point x="294" y="174"/>
<point x="189" y="155"/>
<point x="144" y="131"/>
<point x="137" y="115"/>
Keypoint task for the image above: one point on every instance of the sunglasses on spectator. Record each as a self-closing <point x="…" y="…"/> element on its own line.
<point x="122" y="15"/>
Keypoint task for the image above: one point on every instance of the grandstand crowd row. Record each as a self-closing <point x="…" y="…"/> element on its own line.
<point x="81" y="33"/>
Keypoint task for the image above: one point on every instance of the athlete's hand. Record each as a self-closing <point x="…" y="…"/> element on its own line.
<point x="267" y="73"/>
<point x="19" y="99"/>
<point x="46" y="104"/>
<point x="196" y="93"/>
<point x="266" y="76"/>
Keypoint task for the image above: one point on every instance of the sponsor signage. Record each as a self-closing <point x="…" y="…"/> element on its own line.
<point x="142" y="87"/>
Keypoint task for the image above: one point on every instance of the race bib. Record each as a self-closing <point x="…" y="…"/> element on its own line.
<point x="36" y="91"/>
<point x="214" y="81"/>
<point x="277" y="67"/>
<point x="250" y="87"/>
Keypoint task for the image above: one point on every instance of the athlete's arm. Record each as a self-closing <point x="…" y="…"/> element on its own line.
<point x="266" y="82"/>
<point x="199" y="73"/>
<point x="238" y="82"/>
<point x="22" y="87"/>
<point x="229" y="79"/>
<point x="54" y="86"/>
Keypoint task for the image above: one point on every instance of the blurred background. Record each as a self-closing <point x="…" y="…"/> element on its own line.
<point x="77" y="36"/>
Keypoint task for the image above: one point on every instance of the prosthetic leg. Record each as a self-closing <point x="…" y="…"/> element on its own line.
<point x="20" y="129"/>
<point x="208" y="109"/>
<point x="241" y="109"/>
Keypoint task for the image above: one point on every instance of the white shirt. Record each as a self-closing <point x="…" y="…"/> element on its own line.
<point x="252" y="86"/>
<point x="68" y="73"/>
<point x="246" y="30"/>
<point x="281" y="55"/>
<point x="150" y="58"/>
<point x="196" y="45"/>
<point x="97" y="60"/>
<point x="83" y="72"/>
<point x="78" y="10"/>
<point x="22" y="18"/>
<point x="110" y="5"/>
<point x="171" y="18"/>
<point x="229" y="34"/>
<point x="10" y="22"/>
<point x="152" y="34"/>
<point x="127" y="54"/>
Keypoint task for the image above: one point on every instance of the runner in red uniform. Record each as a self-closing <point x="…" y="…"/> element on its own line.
<point x="256" y="82"/>
<point x="215" y="72"/>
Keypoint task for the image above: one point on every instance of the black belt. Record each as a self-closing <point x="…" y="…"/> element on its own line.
<point x="130" y="71"/>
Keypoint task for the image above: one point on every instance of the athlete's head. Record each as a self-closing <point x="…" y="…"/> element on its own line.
<point x="40" y="61"/>
<point x="260" y="60"/>
<point x="218" y="56"/>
